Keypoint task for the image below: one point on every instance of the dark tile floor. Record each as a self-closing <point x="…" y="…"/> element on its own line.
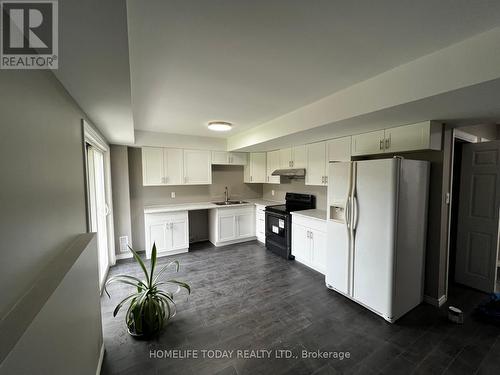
<point x="245" y="298"/>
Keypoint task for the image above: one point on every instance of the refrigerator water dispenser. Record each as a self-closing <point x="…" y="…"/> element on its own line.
<point x="337" y="213"/>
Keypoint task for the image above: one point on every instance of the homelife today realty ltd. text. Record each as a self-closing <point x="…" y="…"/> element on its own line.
<point x="246" y="354"/>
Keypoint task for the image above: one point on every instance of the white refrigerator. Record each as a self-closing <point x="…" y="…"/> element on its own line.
<point x="377" y="219"/>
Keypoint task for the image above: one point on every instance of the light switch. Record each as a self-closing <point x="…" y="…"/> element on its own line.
<point x="272" y="193"/>
<point x="172" y="194"/>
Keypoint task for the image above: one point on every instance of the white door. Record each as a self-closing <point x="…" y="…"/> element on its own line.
<point x="316" y="164"/>
<point x="339" y="149"/>
<point x="152" y="166"/>
<point x="299" y="157"/>
<point x="238" y="158"/>
<point x="318" y="250"/>
<point x="245" y="224"/>
<point x="179" y="234"/>
<point x="338" y="249"/>
<point x="285" y="156"/>
<point x="220" y="157"/>
<point x="174" y="166"/>
<point x="273" y="163"/>
<point x="300" y="243"/>
<point x="98" y="208"/>
<point x="477" y="242"/>
<point x="374" y="210"/>
<point x="407" y="138"/>
<point x="227" y="227"/>
<point x="368" y="143"/>
<point x="197" y="167"/>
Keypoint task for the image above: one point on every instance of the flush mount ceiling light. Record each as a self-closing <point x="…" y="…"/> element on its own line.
<point x="219" y="126"/>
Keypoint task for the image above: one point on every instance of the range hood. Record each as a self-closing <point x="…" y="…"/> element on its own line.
<point x="290" y="173"/>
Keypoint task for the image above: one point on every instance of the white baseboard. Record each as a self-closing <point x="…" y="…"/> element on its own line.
<point x="101" y="357"/>
<point x="124" y="255"/>
<point x="438" y="302"/>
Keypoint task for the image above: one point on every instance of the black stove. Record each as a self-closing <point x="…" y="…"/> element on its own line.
<point x="279" y="222"/>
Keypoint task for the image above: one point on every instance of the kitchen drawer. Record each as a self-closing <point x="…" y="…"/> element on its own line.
<point x="311" y="223"/>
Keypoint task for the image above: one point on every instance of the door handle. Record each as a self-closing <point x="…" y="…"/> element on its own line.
<point x="251" y="178"/>
<point x="381" y="147"/>
<point x="388" y="142"/>
<point x="326" y="179"/>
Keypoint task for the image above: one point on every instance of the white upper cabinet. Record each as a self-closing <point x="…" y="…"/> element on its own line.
<point x="421" y="136"/>
<point x="162" y="166"/>
<point x="255" y="169"/>
<point x="229" y="158"/>
<point x="316" y="164"/>
<point x="175" y="166"/>
<point x="339" y="149"/>
<point x="220" y="157"/>
<point x="173" y="161"/>
<point x="153" y="172"/>
<point x="368" y="143"/>
<point x="299" y="157"/>
<point x="285" y="156"/>
<point x="197" y="167"/>
<point x="273" y="163"/>
<point x="238" y="158"/>
<point x="293" y="157"/>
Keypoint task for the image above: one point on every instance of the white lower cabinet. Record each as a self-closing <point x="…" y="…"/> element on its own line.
<point x="260" y="223"/>
<point x="231" y="225"/>
<point x="169" y="231"/>
<point x="309" y="242"/>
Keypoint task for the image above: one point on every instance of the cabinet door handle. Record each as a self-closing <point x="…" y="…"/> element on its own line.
<point x="388" y="142"/>
<point x="307" y="234"/>
<point x="381" y="144"/>
<point x="311" y="235"/>
<point x="251" y="178"/>
<point x="326" y="179"/>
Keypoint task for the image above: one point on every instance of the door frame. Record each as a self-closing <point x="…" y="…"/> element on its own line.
<point x="93" y="138"/>
<point x="469" y="138"/>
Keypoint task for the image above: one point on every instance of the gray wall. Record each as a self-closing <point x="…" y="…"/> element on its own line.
<point x="121" y="194"/>
<point x="295" y="186"/>
<point x="141" y="196"/>
<point x="42" y="195"/>
<point x="65" y="337"/>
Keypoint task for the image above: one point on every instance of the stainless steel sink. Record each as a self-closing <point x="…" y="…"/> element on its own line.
<point x="228" y="203"/>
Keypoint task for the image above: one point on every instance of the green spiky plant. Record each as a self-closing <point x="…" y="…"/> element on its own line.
<point x="149" y="307"/>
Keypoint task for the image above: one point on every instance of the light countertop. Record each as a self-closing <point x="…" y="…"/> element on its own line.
<point x="314" y="213"/>
<point x="203" y="206"/>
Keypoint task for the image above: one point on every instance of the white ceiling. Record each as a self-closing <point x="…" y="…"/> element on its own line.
<point x="251" y="61"/>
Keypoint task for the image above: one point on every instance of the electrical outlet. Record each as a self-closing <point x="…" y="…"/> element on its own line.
<point x="272" y="193"/>
<point x="123" y="244"/>
<point x="172" y="194"/>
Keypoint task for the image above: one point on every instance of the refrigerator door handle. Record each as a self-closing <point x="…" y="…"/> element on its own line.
<point x="355" y="209"/>
<point x="348" y="213"/>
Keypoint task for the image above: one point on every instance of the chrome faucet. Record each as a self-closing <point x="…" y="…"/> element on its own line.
<point x="226" y="195"/>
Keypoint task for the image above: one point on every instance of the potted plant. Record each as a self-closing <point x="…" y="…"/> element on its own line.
<point x="150" y="307"/>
